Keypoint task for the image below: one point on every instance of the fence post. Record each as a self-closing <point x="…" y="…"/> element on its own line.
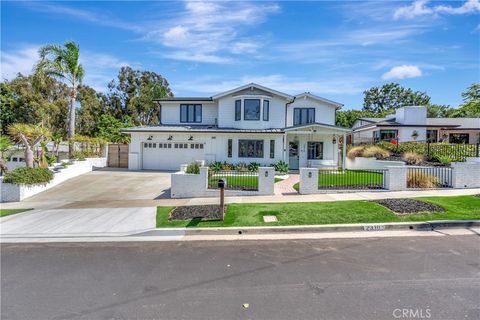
<point x="308" y="180"/>
<point x="266" y="180"/>
<point x="477" y="150"/>
<point x="396" y="178"/>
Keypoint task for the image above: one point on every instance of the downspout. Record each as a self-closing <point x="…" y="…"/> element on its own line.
<point x="285" y="134"/>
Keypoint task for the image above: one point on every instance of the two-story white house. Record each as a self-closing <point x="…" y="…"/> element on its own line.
<point x="251" y="123"/>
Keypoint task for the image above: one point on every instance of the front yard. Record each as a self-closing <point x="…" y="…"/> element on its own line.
<point x="310" y="213"/>
<point x="347" y="178"/>
<point x="237" y="180"/>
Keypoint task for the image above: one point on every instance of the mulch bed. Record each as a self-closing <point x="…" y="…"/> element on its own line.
<point x="405" y="206"/>
<point x="207" y="212"/>
<point x="426" y="163"/>
<point x="476" y="195"/>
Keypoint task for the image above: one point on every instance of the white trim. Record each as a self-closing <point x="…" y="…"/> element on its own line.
<point x="252" y="85"/>
<point x="315" y="97"/>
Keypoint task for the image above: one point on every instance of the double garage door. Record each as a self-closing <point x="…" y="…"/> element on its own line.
<point x="170" y="155"/>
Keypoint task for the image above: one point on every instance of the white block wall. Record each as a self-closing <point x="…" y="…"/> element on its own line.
<point x="185" y="185"/>
<point x="13" y="192"/>
<point x="466" y="174"/>
<point x="371" y="163"/>
<point x="396" y="178"/>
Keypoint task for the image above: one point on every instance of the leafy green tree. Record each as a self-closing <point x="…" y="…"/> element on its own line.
<point x="131" y="95"/>
<point x="92" y="106"/>
<point x="62" y="62"/>
<point x="6" y="147"/>
<point x="7" y="106"/>
<point x="439" y="111"/>
<point x="109" y="129"/>
<point x="392" y="96"/>
<point x="470" y="108"/>
<point x="35" y="99"/>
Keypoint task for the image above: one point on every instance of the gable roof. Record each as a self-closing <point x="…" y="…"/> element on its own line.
<point x="252" y="85"/>
<point x="315" y="97"/>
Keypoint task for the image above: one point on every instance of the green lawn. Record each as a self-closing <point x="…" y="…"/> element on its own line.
<point x="249" y="181"/>
<point x="457" y="208"/>
<point x="347" y="178"/>
<point x="7" y="212"/>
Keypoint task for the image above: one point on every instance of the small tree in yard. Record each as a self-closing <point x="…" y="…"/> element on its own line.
<point x="5" y="147"/>
<point x="29" y="136"/>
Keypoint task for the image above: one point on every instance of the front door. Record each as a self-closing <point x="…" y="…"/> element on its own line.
<point x="293" y="159"/>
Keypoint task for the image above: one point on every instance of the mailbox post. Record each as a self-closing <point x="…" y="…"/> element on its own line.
<point x="221" y="186"/>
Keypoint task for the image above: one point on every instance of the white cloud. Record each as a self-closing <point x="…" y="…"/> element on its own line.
<point x="403" y="72"/>
<point x="420" y="8"/>
<point x="21" y="61"/>
<point x="210" y="31"/>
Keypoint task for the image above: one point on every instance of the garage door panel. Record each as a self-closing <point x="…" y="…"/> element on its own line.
<point x="170" y="155"/>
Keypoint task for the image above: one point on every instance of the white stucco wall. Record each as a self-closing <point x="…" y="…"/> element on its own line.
<point x="411" y="115"/>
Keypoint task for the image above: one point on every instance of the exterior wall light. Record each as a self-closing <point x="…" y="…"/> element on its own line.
<point x="310" y="174"/>
<point x="191" y="138"/>
<point x="170" y="138"/>
<point x="266" y="174"/>
<point x="334" y="139"/>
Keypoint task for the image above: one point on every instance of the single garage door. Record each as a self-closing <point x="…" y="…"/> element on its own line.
<point x="170" y="155"/>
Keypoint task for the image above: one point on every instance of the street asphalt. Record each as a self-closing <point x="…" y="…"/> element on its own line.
<point x="387" y="278"/>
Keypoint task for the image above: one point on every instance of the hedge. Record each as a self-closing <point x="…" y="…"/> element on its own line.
<point x="28" y="176"/>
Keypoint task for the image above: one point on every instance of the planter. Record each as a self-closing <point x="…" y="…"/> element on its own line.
<point x="360" y="163"/>
<point x="14" y="192"/>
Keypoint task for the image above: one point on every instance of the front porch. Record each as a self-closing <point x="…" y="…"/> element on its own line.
<point x="315" y="145"/>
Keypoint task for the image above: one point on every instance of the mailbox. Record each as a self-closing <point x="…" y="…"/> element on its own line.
<point x="222" y="183"/>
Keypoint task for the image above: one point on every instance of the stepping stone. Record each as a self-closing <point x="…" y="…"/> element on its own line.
<point x="270" y="219"/>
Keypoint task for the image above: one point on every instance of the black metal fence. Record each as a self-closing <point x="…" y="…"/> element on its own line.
<point x="429" y="177"/>
<point x="336" y="179"/>
<point x="235" y="180"/>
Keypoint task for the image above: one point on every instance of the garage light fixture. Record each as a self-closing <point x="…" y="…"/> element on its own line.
<point x="191" y="138"/>
<point x="150" y="138"/>
<point x="170" y="138"/>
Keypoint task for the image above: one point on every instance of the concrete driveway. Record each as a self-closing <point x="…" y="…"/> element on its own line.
<point x="104" y="188"/>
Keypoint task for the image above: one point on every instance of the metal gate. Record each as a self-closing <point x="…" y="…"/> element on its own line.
<point x="118" y="155"/>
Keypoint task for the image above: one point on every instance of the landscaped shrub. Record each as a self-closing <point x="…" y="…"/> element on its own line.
<point x="228" y="166"/>
<point x="193" y="168"/>
<point x="281" y="166"/>
<point x="375" y="151"/>
<point x="215" y="166"/>
<point x="411" y="157"/>
<point x="421" y="180"/>
<point x="78" y="155"/>
<point x="445" y="160"/>
<point x="241" y="166"/>
<point x="28" y="176"/>
<point x="253" y="166"/>
<point x="355" y="152"/>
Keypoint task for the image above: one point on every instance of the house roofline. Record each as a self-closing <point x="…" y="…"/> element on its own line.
<point x="246" y="86"/>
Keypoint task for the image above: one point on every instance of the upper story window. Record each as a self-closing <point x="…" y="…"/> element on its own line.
<point x="190" y="113"/>
<point x="238" y="110"/>
<point x="266" y="110"/>
<point x="303" y="116"/>
<point x="251" y="109"/>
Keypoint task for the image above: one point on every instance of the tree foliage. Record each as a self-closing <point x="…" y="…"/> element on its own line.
<point x="109" y="129"/>
<point x="392" y="96"/>
<point x="132" y="93"/>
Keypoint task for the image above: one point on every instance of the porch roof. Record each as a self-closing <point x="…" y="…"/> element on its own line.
<point x="317" y="125"/>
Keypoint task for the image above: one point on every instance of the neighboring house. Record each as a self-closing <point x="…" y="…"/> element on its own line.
<point x="251" y="123"/>
<point x="412" y="124"/>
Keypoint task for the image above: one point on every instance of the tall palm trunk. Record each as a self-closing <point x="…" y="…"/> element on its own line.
<point x="71" y="120"/>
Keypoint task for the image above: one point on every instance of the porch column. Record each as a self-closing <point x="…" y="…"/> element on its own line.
<point x="344" y="150"/>
<point x="285" y="148"/>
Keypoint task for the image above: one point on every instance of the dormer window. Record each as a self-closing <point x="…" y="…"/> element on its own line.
<point x="190" y="113"/>
<point x="251" y="109"/>
<point x="303" y="116"/>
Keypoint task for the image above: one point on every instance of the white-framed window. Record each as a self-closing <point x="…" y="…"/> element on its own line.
<point x="190" y="113"/>
<point x="250" y="148"/>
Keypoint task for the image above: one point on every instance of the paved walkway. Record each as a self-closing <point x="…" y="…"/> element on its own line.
<point x="285" y="187"/>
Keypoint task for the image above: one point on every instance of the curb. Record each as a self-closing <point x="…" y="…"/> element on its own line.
<point x="366" y="227"/>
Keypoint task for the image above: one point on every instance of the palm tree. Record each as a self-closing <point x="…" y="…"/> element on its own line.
<point x="28" y="135"/>
<point x="62" y="62"/>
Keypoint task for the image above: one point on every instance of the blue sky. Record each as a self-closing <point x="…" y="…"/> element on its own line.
<point x="333" y="49"/>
